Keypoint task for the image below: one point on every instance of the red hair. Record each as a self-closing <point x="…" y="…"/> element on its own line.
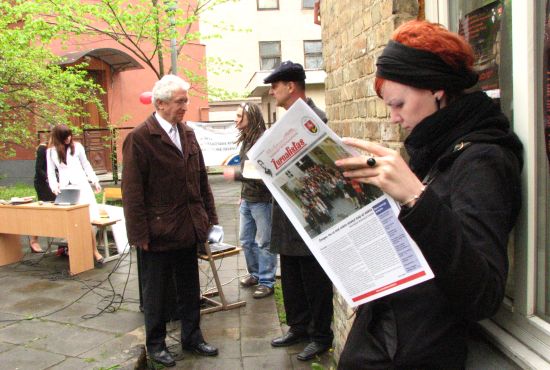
<point x="433" y="37"/>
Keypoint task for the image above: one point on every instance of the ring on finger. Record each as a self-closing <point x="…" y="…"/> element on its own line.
<point x="371" y="162"/>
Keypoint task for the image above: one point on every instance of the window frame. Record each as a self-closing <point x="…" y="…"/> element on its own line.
<point x="320" y="54"/>
<point x="521" y="318"/>
<point x="266" y="8"/>
<point x="269" y="56"/>
<point x="308" y="7"/>
<point x="516" y="328"/>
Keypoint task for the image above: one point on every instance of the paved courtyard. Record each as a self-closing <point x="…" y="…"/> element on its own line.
<point x="50" y="320"/>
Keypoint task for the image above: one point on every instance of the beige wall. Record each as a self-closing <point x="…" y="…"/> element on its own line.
<point x="354" y="33"/>
<point x="290" y="24"/>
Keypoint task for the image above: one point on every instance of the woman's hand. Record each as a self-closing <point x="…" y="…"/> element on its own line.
<point x="97" y="188"/>
<point x="57" y="190"/>
<point x="390" y="172"/>
<point x="229" y="173"/>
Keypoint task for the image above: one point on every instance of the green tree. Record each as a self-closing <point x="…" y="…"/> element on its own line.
<point x="144" y="28"/>
<point x="35" y="91"/>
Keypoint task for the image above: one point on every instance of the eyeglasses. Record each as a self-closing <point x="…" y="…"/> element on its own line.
<point x="181" y="101"/>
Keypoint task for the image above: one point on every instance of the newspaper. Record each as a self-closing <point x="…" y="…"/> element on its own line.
<point x="250" y="171"/>
<point x="350" y="227"/>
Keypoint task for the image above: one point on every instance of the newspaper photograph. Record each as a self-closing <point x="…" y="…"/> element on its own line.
<point x="351" y="228"/>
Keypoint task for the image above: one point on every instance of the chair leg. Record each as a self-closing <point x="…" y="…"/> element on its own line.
<point x="106" y="243"/>
<point x="219" y="287"/>
<point x="222" y="304"/>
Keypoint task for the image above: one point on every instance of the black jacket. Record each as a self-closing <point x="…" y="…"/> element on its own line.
<point x="253" y="191"/>
<point x="41" y="185"/>
<point x="284" y="237"/>
<point x="472" y="162"/>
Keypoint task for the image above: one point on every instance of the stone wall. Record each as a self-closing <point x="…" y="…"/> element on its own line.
<point x="354" y="32"/>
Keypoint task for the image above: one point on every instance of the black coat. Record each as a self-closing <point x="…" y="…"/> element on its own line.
<point x="41" y="185"/>
<point x="284" y="237"/>
<point x="461" y="224"/>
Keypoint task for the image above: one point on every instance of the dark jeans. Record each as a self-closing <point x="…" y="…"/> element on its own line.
<point x="307" y="293"/>
<point x="158" y="268"/>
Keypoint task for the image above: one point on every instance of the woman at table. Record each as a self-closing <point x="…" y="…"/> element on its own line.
<point x="460" y="195"/>
<point x="69" y="158"/>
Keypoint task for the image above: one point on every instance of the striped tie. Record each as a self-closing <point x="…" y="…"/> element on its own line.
<point x="174" y="136"/>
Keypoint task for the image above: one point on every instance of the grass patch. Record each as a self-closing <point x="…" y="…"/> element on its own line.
<point x="279" y="302"/>
<point x="18" y="190"/>
<point x="24" y="190"/>
<point x="117" y="202"/>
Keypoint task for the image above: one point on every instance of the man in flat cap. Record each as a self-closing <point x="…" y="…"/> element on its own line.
<point x="307" y="290"/>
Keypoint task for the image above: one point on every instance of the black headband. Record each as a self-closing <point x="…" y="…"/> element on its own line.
<point x="421" y="69"/>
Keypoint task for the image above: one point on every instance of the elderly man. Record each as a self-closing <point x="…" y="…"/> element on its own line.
<point x="169" y="209"/>
<point x="307" y="290"/>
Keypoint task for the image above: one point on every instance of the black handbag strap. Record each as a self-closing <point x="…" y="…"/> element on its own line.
<point x="445" y="161"/>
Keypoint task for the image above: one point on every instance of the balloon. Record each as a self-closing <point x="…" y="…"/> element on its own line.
<point x="146" y="97"/>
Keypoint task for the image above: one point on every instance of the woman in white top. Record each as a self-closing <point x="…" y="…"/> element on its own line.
<point x="74" y="171"/>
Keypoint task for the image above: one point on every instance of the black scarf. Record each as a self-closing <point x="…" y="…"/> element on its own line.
<point x="422" y="69"/>
<point x="473" y="118"/>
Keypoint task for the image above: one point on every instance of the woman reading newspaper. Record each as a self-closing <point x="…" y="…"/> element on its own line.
<point x="460" y="195"/>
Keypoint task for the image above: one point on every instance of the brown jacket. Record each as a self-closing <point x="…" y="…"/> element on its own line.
<point x="166" y="196"/>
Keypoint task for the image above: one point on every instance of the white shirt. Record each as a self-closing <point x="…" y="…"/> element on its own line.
<point x="77" y="170"/>
<point x="167" y="126"/>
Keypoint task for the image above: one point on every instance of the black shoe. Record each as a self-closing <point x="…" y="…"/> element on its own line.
<point x="203" y="349"/>
<point x="163" y="357"/>
<point x="99" y="263"/>
<point x="312" y="349"/>
<point x="288" y="339"/>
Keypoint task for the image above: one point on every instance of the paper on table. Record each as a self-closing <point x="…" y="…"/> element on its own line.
<point x="250" y="172"/>
<point x="351" y="228"/>
<point x="215" y="235"/>
<point x="21" y="200"/>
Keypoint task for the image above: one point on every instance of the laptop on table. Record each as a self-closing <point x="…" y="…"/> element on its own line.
<point x="67" y="197"/>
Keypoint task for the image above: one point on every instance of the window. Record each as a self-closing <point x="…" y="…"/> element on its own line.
<point x="525" y="315"/>
<point x="270" y="55"/>
<point x="267" y="4"/>
<point x="308" y="4"/>
<point x="543" y="248"/>
<point x="486" y="25"/>
<point x="313" y="54"/>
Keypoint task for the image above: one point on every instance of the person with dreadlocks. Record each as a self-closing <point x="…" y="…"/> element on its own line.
<point x="255" y="208"/>
<point x="460" y="195"/>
